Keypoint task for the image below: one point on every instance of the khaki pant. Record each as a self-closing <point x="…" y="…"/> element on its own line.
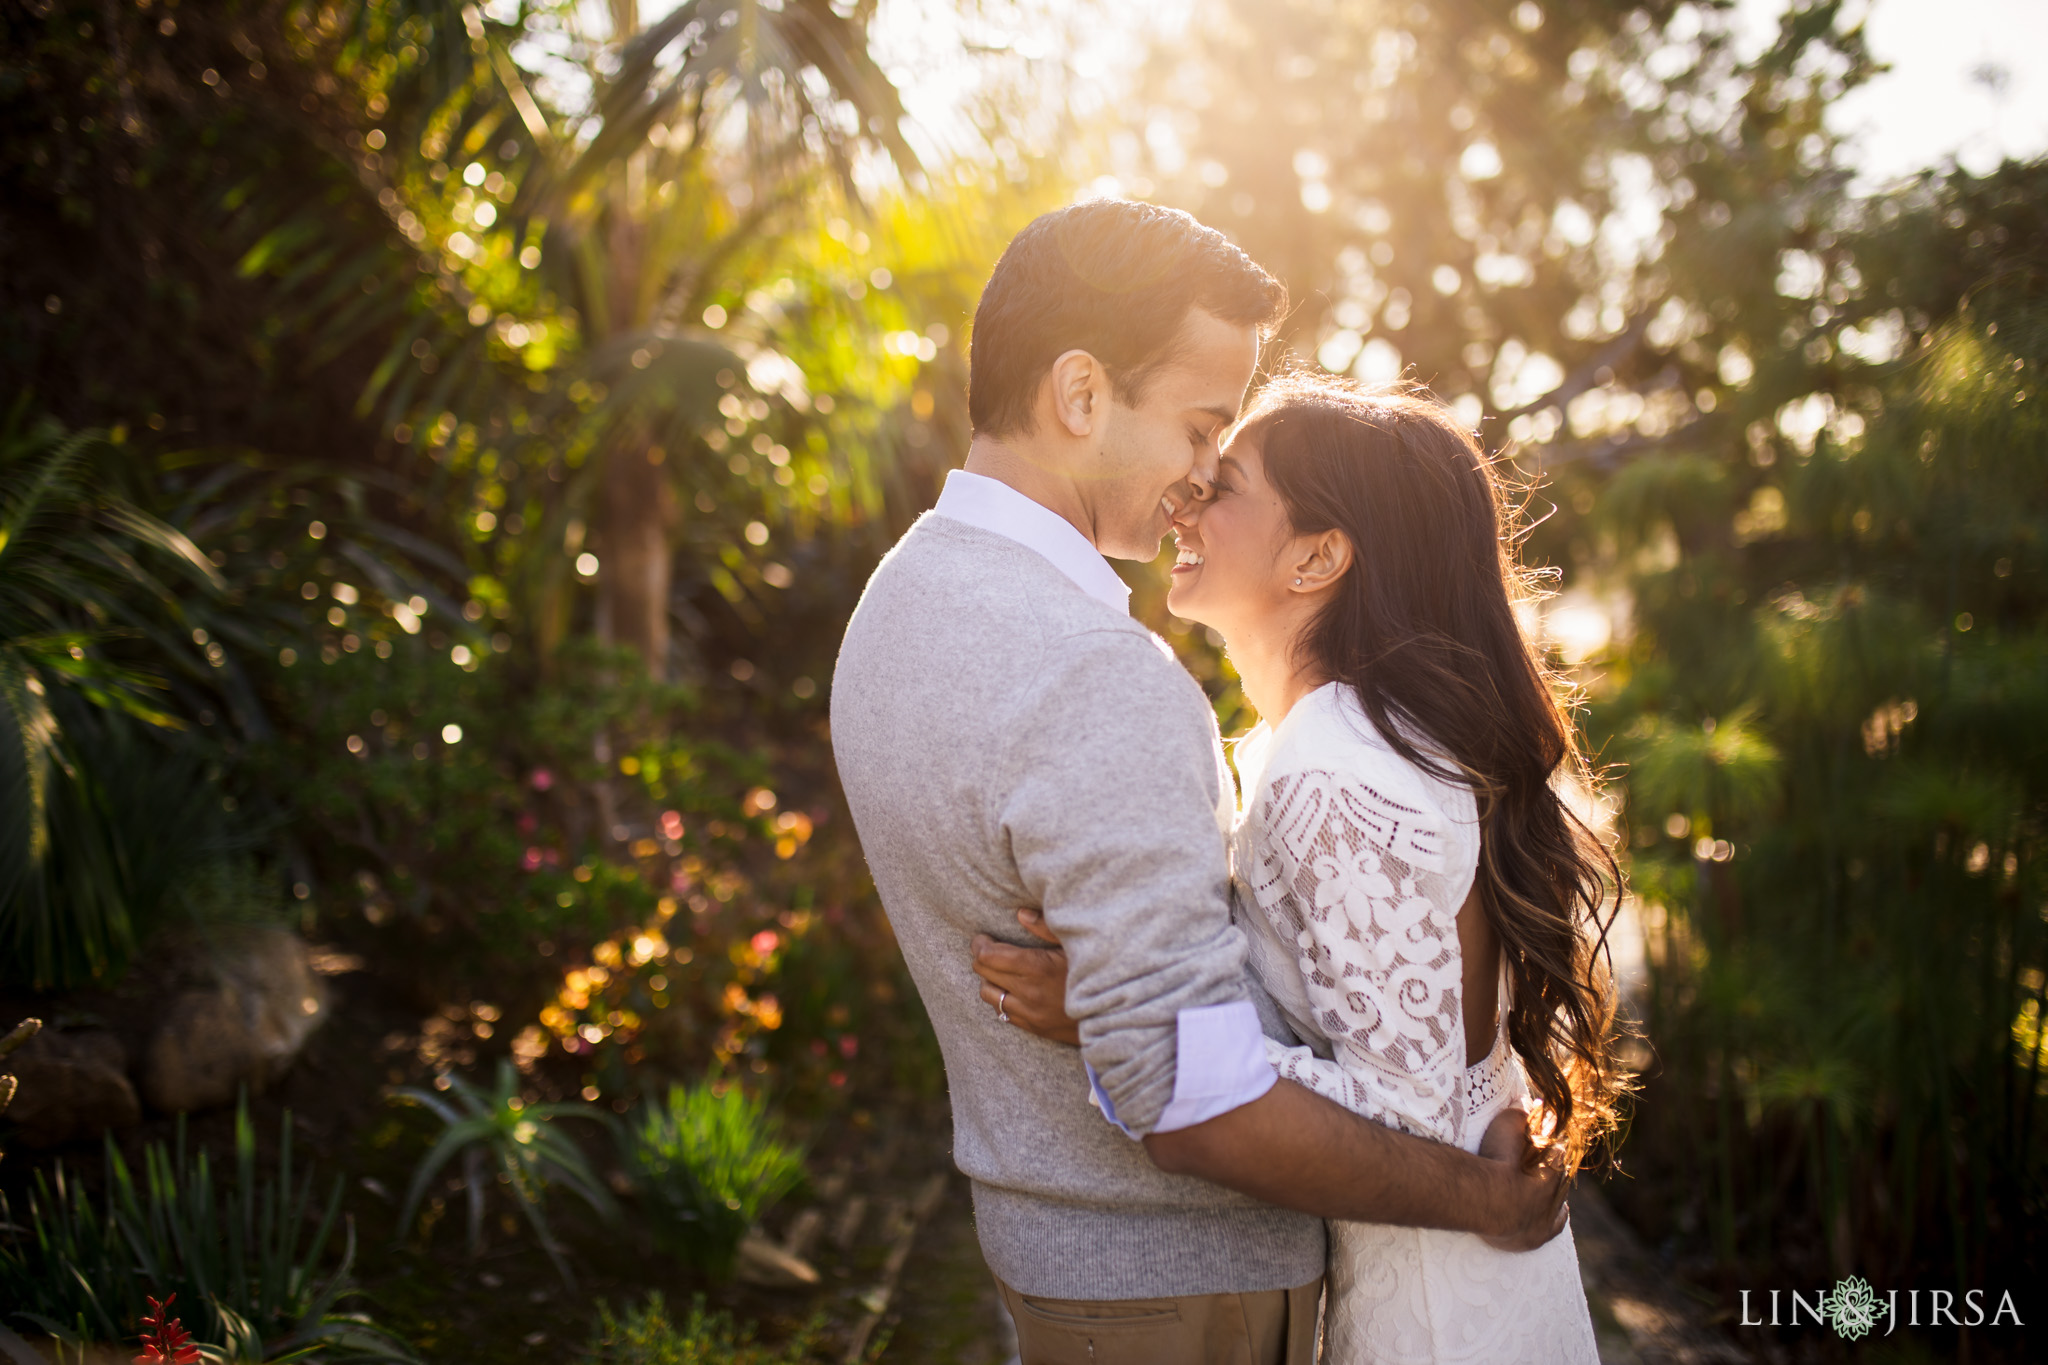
<point x="1275" y="1327"/>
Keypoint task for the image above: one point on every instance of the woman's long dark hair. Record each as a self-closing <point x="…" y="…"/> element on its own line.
<point x="1423" y="627"/>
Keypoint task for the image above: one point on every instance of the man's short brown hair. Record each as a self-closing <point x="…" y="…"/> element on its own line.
<point x="1110" y="277"/>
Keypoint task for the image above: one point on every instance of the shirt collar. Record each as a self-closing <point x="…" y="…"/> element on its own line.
<point x="992" y="505"/>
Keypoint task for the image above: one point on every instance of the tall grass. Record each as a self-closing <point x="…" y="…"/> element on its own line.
<point x="246" y="1254"/>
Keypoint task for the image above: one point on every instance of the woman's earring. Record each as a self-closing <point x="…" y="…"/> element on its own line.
<point x="1297" y="582"/>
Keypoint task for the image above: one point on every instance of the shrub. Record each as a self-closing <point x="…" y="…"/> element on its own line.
<point x="486" y="806"/>
<point x="647" y="1336"/>
<point x="706" y="1164"/>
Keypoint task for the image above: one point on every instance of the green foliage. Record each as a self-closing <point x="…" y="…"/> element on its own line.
<point x="244" y="1255"/>
<point x="502" y="1138"/>
<point x="646" y="1335"/>
<point x="1832" y="707"/>
<point x="1723" y="772"/>
<point x="98" y="668"/>
<point x="706" y="1164"/>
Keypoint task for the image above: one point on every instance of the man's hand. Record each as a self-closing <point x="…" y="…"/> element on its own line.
<point x="1028" y="984"/>
<point x="1293" y="1148"/>
<point x="1537" y="1208"/>
<point x="1281" y="1148"/>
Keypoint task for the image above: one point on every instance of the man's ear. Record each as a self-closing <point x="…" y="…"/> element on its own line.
<point x="1322" y="560"/>
<point x="1079" y="388"/>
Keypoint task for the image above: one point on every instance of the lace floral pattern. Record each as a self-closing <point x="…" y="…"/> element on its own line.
<point x="1355" y="879"/>
<point x="1358" y="863"/>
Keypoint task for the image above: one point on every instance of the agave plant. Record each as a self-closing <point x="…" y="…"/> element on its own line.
<point x="706" y="1163"/>
<point x="497" y="1134"/>
<point x="246" y="1253"/>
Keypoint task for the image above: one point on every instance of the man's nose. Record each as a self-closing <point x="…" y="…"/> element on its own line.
<point x="1199" y="486"/>
<point x="1188" y="497"/>
<point x="1202" y="478"/>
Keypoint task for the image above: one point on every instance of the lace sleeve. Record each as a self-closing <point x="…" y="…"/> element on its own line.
<point x="1357" y="881"/>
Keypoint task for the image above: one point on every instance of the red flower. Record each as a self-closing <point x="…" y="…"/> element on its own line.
<point x="166" y="1342"/>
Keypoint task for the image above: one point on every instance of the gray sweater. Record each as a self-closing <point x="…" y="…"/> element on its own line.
<point x="1007" y="740"/>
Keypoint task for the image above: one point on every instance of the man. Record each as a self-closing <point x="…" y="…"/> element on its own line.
<point x="1008" y="736"/>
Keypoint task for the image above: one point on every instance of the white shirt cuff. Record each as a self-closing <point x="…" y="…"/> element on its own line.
<point x="1220" y="1065"/>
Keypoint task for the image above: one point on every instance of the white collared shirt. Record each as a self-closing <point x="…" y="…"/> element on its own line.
<point x="1220" y="1061"/>
<point x="992" y="505"/>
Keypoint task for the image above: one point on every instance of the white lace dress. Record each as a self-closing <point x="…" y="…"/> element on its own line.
<point x="1355" y="862"/>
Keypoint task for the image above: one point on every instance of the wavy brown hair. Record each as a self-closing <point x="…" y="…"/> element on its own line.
<point x="1423" y="628"/>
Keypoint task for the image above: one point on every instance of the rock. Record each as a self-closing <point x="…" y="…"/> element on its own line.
<point x="73" y="1085"/>
<point x="762" y="1262"/>
<point x="243" y="1027"/>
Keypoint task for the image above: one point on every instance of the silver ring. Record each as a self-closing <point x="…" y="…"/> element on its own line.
<point x="1002" y="1014"/>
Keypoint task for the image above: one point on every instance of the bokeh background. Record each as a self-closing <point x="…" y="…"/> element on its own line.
<point x="442" y="444"/>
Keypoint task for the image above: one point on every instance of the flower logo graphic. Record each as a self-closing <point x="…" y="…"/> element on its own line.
<point x="1852" y="1308"/>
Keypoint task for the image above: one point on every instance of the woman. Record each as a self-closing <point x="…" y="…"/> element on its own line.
<point x="1419" y="902"/>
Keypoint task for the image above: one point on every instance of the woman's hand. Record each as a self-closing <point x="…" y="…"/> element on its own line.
<point x="1028" y="984"/>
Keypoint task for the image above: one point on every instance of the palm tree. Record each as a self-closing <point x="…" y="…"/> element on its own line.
<point x="679" y="169"/>
<point x="697" y="158"/>
<point x="707" y="137"/>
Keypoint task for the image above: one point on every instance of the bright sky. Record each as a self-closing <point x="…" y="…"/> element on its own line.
<point x="1928" y="107"/>
<point x="1932" y="104"/>
<point x="941" y="53"/>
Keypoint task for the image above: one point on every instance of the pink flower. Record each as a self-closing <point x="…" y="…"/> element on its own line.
<point x="551" y="856"/>
<point x="530" y="860"/>
<point x="671" y="824"/>
<point x="766" y="942"/>
<point x="849" y="1046"/>
<point x="542" y="779"/>
<point x="527" y="823"/>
